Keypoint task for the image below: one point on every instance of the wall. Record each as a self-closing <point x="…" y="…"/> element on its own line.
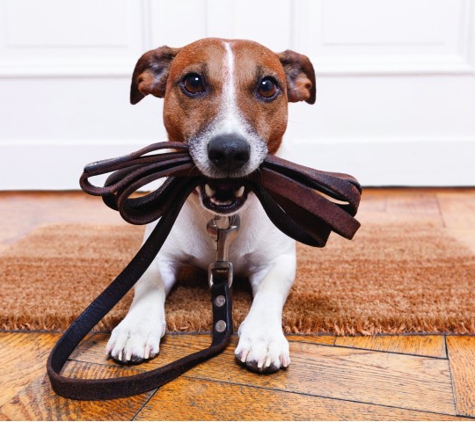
<point x="395" y="83"/>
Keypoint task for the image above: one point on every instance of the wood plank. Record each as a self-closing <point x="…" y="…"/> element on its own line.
<point x="210" y="400"/>
<point x="118" y="409"/>
<point x="38" y="401"/>
<point x="458" y="209"/>
<point x="465" y="236"/>
<point x="23" y="358"/>
<point x="21" y="212"/>
<point x="413" y="202"/>
<point x="458" y="213"/>
<point x="173" y="346"/>
<point x="335" y="372"/>
<point x="461" y="351"/>
<point x="409" y="382"/>
<point x="431" y="346"/>
<point x="306" y="338"/>
<point x="372" y="202"/>
<point x="407" y="206"/>
<point x="3" y="417"/>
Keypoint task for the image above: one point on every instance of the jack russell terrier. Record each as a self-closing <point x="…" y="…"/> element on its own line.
<point x="227" y="99"/>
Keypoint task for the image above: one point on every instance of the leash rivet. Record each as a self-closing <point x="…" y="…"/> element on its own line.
<point x="220" y="326"/>
<point x="220" y="301"/>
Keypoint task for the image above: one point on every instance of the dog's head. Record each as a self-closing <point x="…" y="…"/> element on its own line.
<point x="228" y="100"/>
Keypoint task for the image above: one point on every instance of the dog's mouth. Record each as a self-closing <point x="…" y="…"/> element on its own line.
<point x="223" y="196"/>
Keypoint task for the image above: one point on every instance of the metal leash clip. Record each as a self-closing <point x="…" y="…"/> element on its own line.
<point x="222" y="268"/>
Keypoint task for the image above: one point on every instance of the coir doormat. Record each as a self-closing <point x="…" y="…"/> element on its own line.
<point x="390" y="279"/>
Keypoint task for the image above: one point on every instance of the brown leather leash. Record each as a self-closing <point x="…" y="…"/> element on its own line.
<point x="291" y="195"/>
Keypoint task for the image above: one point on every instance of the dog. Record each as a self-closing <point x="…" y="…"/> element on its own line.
<point x="228" y="100"/>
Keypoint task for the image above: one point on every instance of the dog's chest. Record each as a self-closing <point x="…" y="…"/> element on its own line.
<point x="257" y="244"/>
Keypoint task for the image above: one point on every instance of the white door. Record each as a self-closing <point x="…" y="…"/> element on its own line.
<point x="395" y="83"/>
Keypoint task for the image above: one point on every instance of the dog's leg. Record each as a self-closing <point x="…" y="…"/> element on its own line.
<point x="137" y="337"/>
<point x="262" y="345"/>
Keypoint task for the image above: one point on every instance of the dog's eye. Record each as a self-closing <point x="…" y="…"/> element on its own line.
<point x="193" y="84"/>
<point x="267" y="88"/>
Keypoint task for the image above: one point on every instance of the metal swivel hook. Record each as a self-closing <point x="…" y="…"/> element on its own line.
<point x="223" y="235"/>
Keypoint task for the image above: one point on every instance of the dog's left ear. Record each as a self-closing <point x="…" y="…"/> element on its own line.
<point x="300" y="76"/>
<point x="151" y="73"/>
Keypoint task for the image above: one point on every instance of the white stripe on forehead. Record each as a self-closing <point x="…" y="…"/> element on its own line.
<point x="229" y="63"/>
<point x="230" y="117"/>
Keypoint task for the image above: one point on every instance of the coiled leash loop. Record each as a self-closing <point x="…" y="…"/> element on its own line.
<point x="291" y="195"/>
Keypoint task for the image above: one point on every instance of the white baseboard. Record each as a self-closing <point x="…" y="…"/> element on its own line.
<point x="36" y="165"/>
<point x="395" y="162"/>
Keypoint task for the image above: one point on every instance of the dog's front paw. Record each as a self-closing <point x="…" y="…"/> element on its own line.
<point x="262" y="348"/>
<point x="135" y="340"/>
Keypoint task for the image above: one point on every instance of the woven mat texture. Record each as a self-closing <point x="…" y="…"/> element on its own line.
<point x="391" y="279"/>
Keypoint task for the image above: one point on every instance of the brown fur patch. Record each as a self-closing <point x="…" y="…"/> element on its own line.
<point x="300" y="77"/>
<point x="185" y="116"/>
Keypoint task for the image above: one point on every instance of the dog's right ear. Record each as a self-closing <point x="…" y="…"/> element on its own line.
<point x="151" y="73"/>
<point x="300" y="77"/>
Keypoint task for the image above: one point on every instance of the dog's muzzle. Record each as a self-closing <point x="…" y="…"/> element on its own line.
<point x="228" y="155"/>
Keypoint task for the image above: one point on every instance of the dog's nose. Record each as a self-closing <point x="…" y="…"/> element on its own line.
<point x="229" y="152"/>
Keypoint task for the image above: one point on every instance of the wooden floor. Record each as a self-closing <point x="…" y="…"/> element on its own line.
<point x="370" y="378"/>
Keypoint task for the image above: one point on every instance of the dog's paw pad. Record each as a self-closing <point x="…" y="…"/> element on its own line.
<point x="133" y="344"/>
<point x="263" y="353"/>
<point x="123" y="356"/>
<point x="255" y="366"/>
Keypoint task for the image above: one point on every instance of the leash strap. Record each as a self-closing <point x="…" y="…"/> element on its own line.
<point x="291" y="196"/>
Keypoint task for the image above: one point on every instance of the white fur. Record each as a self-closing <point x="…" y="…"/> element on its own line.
<point x="260" y="252"/>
